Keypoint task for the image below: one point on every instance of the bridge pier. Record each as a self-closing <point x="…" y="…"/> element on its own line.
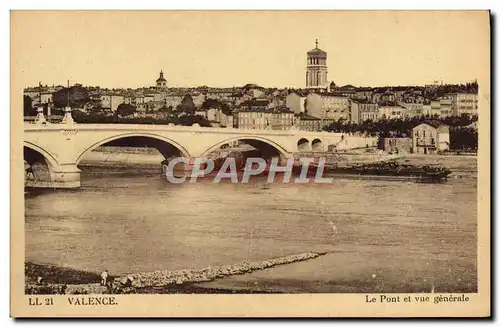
<point x="65" y="176"/>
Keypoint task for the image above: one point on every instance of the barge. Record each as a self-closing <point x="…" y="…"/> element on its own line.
<point x="382" y="170"/>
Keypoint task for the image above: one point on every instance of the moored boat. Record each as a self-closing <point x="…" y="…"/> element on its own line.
<point x="383" y="169"/>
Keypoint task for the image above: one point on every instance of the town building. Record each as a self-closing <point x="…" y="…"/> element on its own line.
<point x="317" y="70"/>
<point x="445" y="107"/>
<point x="395" y="144"/>
<point x="426" y="109"/>
<point x="412" y="109"/>
<point x="111" y="101"/>
<point x="441" y="107"/>
<point x="362" y="110"/>
<point x="305" y="122"/>
<point x="389" y="111"/>
<point x="259" y="118"/>
<point x="161" y="82"/>
<point x="296" y="101"/>
<point x="463" y="103"/>
<point x="282" y="119"/>
<point x="254" y="104"/>
<point x="383" y="95"/>
<point x="173" y="100"/>
<point x="252" y="118"/>
<point x="363" y="93"/>
<point x="46" y="97"/>
<point x="346" y="90"/>
<point x="328" y="106"/>
<point x="215" y="115"/>
<point x="253" y="91"/>
<point x="430" y="138"/>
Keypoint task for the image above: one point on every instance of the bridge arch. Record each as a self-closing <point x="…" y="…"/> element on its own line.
<point x="281" y="150"/>
<point x="317" y="145"/>
<point x="303" y="144"/>
<point x="152" y="136"/>
<point x="49" y="158"/>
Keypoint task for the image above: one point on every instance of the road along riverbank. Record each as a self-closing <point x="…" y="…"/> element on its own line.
<point x="59" y="280"/>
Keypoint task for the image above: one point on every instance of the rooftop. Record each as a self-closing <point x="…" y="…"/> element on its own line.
<point x="304" y="116"/>
<point x="317" y="50"/>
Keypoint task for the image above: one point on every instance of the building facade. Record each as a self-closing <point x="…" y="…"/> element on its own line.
<point x="317" y="70"/>
<point x="362" y="110"/>
<point x="430" y="138"/>
<point x="308" y="123"/>
<point x="173" y="100"/>
<point x="216" y="115"/>
<point x="296" y="101"/>
<point x="328" y="106"/>
<point x="395" y="144"/>
<point x="412" y="109"/>
<point x="463" y="103"/>
<point x="391" y="112"/>
<point x="264" y="119"/>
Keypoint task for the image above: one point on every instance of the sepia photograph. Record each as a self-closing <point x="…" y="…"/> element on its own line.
<point x="178" y="155"/>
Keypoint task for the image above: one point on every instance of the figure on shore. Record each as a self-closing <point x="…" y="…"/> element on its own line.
<point x="104" y="277"/>
<point x="129" y="281"/>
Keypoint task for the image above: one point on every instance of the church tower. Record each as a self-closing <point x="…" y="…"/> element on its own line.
<point x="316" y="74"/>
<point x="161" y="82"/>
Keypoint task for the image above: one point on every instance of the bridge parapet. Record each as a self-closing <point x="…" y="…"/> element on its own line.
<point x="143" y="127"/>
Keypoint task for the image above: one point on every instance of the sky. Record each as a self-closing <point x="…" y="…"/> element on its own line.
<point x="223" y="48"/>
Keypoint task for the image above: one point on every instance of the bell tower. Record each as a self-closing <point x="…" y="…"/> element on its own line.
<point x="317" y="70"/>
<point x="161" y="82"/>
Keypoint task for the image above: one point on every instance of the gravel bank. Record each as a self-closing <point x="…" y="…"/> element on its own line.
<point x="59" y="280"/>
<point x="179" y="277"/>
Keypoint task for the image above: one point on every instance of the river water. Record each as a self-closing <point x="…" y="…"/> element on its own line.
<point x="381" y="236"/>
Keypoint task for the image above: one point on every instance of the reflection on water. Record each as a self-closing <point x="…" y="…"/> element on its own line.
<point x="381" y="235"/>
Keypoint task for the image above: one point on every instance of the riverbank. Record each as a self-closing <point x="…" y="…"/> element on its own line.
<point x="137" y="157"/>
<point x="459" y="165"/>
<point x="61" y="280"/>
<point x="109" y="156"/>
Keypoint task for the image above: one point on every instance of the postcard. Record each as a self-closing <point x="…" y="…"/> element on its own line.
<point x="250" y="163"/>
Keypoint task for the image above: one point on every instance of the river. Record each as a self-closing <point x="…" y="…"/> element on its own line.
<point x="381" y="236"/>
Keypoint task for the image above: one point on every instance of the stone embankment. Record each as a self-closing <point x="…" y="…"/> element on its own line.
<point x="165" y="277"/>
<point x="160" y="279"/>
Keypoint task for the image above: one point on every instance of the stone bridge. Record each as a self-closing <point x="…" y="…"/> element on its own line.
<point x="62" y="146"/>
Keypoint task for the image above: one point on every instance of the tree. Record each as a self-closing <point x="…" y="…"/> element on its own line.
<point x="187" y="106"/>
<point x="28" y="106"/>
<point x="216" y="104"/>
<point x="190" y="120"/>
<point x="78" y="96"/>
<point x="94" y="106"/>
<point x="463" y="138"/>
<point x="211" y="103"/>
<point x="125" y="109"/>
<point x="166" y="109"/>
